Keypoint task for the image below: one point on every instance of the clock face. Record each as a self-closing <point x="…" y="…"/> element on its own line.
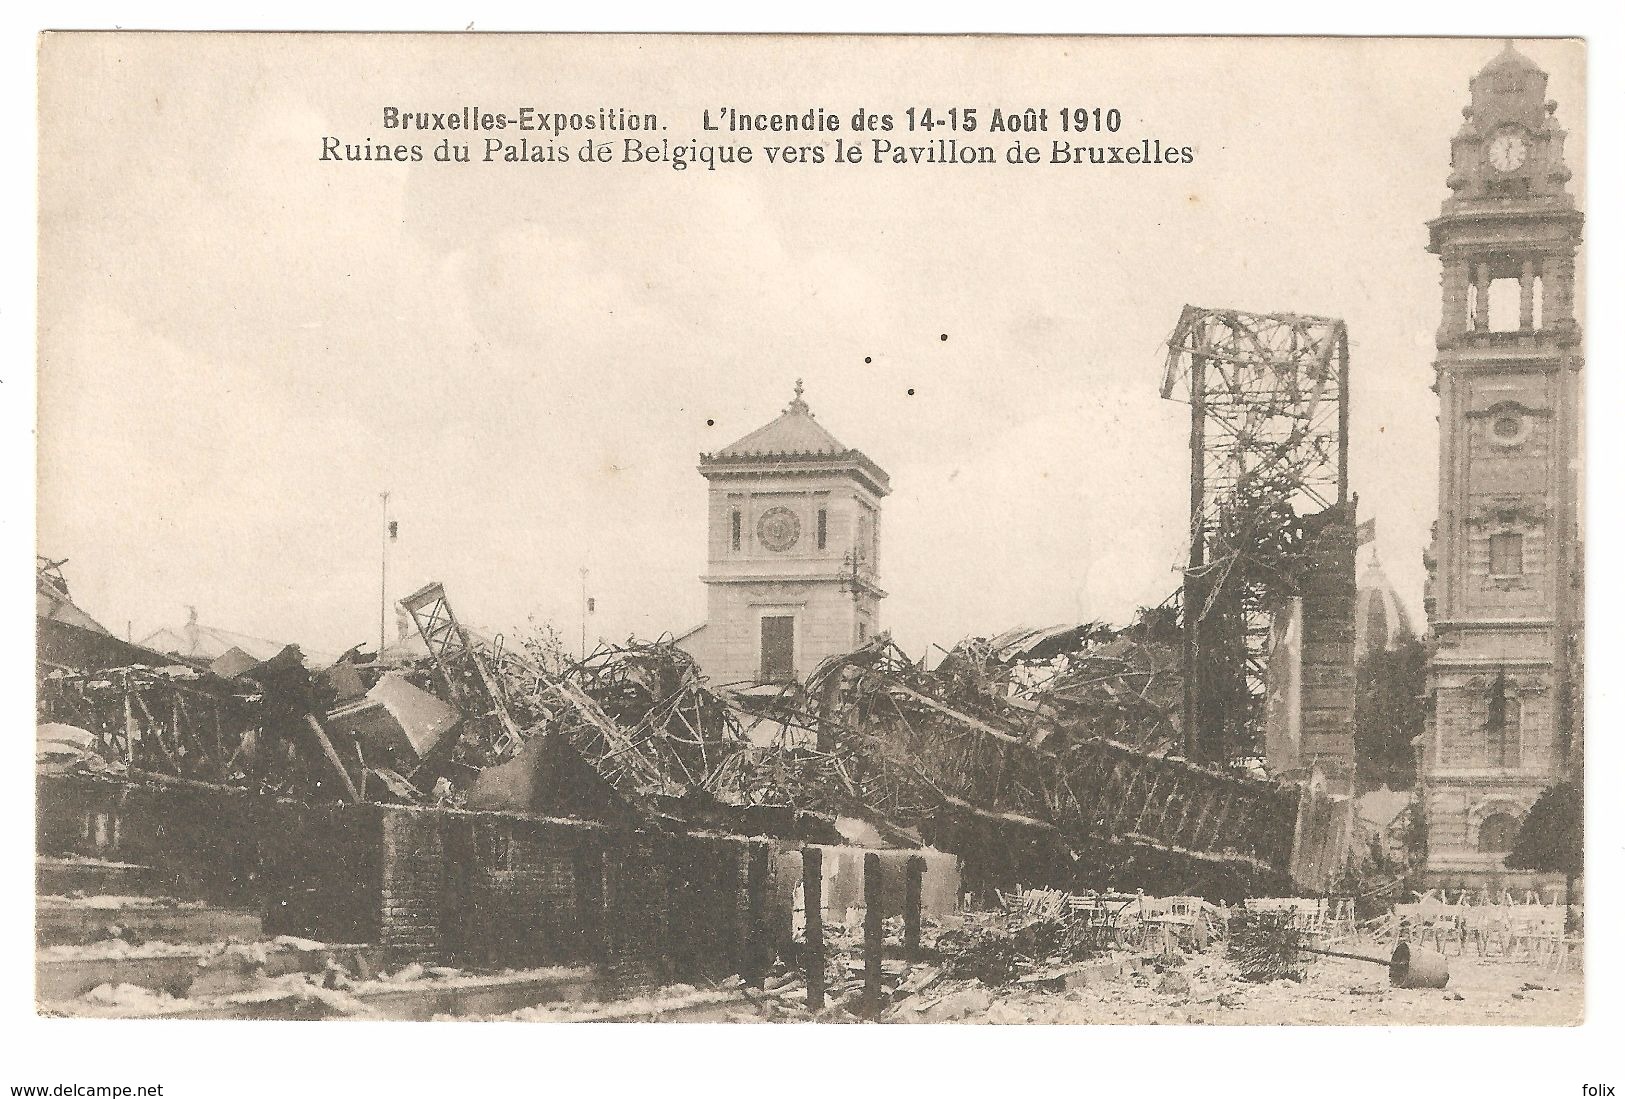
<point x="778" y="529"/>
<point x="1507" y="151"/>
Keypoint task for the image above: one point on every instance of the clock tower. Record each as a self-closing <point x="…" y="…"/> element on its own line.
<point x="794" y="552"/>
<point x="1503" y="600"/>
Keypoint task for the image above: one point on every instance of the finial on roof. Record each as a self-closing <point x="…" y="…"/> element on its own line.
<point x="1510" y="58"/>
<point x="797" y="404"/>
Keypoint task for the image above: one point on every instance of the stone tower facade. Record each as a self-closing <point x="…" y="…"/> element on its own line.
<point x="1504" y="567"/>
<point x="793" y="533"/>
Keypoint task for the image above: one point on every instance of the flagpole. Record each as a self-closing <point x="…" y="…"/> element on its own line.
<point x="383" y="568"/>
<point x="583" y="614"/>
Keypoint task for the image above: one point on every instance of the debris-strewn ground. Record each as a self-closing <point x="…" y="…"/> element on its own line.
<point x="1045" y="975"/>
<point x="1206" y="989"/>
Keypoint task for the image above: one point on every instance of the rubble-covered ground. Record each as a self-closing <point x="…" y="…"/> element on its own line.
<point x="1202" y="989"/>
<point x="1029" y="967"/>
<point x="985" y="967"/>
<point x="1336" y="991"/>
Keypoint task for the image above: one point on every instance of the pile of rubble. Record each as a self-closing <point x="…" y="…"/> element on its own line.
<point x="415" y="724"/>
<point x="1032" y="755"/>
<point x="1038" y="941"/>
<point x="1044" y="760"/>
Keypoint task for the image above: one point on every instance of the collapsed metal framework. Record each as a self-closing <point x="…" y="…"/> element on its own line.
<point x="169" y="720"/>
<point x="466" y="667"/>
<point x="639" y="715"/>
<point x="1269" y="400"/>
<point x="1039" y="756"/>
<point x="1016" y="785"/>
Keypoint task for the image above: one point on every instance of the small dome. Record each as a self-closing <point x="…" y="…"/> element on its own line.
<point x="1509" y="59"/>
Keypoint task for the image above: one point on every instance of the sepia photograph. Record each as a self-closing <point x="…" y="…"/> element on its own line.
<point x="810" y="529"/>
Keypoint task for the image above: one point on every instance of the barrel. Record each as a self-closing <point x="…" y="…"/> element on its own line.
<point x="1417" y="967"/>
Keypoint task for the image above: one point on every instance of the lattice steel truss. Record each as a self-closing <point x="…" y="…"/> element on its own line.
<point x="1269" y="445"/>
<point x="976" y="765"/>
<point x="466" y="667"/>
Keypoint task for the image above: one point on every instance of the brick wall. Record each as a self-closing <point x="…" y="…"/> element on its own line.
<point x="1462" y="722"/>
<point x="306" y="869"/>
<point x="411" y="857"/>
<point x="508" y="890"/>
<point x="492" y="890"/>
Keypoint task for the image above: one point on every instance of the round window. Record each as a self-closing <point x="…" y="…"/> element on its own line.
<point x="778" y="529"/>
<point x="1509" y="428"/>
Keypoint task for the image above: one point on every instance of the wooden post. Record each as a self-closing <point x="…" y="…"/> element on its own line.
<point x="874" y="935"/>
<point x="756" y="961"/>
<point x="812" y="888"/>
<point x="911" y="907"/>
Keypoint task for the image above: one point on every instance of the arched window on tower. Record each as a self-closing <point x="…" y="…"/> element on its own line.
<point x="1496" y="832"/>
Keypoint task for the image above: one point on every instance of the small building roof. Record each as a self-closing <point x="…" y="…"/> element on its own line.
<point x="794" y="438"/>
<point x="232" y="663"/>
<point x="795" y="432"/>
<point x="199" y="642"/>
<point x="52" y="601"/>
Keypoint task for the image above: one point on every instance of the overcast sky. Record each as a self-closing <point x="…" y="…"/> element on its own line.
<point x="242" y="346"/>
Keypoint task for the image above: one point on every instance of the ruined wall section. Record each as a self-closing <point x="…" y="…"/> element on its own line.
<point x="410" y="878"/>
<point x="310" y="870"/>
<point x="1328" y="663"/>
<point x="487" y="890"/>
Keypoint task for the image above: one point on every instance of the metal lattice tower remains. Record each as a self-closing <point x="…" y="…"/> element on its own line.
<point x="1269" y="445"/>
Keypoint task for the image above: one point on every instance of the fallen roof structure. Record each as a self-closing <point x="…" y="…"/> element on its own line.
<point x="1042" y="757"/>
<point x="987" y="766"/>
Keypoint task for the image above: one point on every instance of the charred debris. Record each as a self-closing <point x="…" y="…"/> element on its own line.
<point x="1047" y="756"/>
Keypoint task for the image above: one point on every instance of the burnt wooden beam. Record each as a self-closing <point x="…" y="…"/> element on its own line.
<point x="874" y="930"/>
<point x="914" y="869"/>
<point x="332" y="757"/>
<point x="812" y="892"/>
